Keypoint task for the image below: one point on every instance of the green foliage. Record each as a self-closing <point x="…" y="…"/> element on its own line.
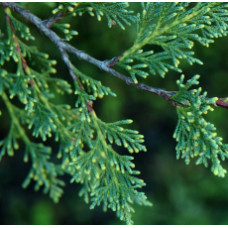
<point x="174" y="27"/>
<point x="43" y="171"/>
<point x="115" y="13"/>
<point x="130" y="139"/>
<point x="9" y="143"/>
<point x="5" y="51"/>
<point x="65" y="29"/>
<point x="75" y="129"/>
<point x="107" y="177"/>
<point x="195" y="136"/>
<point x="86" y="151"/>
<point x="94" y="87"/>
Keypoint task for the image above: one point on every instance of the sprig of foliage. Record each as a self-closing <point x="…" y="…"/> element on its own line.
<point x="174" y="27"/>
<point x="107" y="177"/>
<point x="65" y="29"/>
<point x="44" y="172"/>
<point x="195" y="136"/>
<point x="79" y="132"/>
<point x="115" y="13"/>
<point x="93" y="86"/>
<point x="27" y="85"/>
<point x="85" y="142"/>
<point x="130" y="139"/>
<point x="9" y="143"/>
<point x="5" y="51"/>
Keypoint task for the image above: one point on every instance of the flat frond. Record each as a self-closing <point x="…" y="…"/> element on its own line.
<point x="195" y="136"/>
<point x="169" y="31"/>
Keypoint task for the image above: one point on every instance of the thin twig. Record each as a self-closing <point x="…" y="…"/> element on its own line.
<point x="49" y="22"/>
<point x="103" y="65"/>
<point x="222" y="103"/>
<point x="70" y="66"/>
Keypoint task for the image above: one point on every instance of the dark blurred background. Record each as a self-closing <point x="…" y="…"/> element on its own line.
<point x="181" y="194"/>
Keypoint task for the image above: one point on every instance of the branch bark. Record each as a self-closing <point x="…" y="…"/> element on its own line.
<point x="103" y="65"/>
<point x="222" y="103"/>
<point x="49" y="22"/>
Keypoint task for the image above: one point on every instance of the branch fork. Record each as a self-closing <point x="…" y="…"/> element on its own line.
<point x="106" y="65"/>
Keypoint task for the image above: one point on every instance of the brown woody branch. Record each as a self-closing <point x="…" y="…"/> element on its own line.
<point x="103" y="65"/>
<point x="49" y="22"/>
<point x="222" y="103"/>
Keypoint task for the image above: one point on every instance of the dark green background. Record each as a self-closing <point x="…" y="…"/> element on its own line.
<point x="181" y="194"/>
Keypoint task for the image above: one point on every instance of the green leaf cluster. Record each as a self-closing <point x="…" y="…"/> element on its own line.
<point x="85" y="151"/>
<point x="195" y="136"/>
<point x="115" y="13"/>
<point x="166" y="33"/>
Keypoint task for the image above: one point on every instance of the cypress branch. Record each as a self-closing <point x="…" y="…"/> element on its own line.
<point x="85" y="141"/>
